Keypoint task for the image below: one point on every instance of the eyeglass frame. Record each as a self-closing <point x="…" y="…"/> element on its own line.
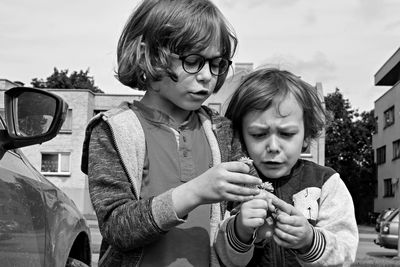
<point x="203" y="62"/>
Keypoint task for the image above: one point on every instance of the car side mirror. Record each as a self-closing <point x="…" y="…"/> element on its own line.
<point x="32" y="115"/>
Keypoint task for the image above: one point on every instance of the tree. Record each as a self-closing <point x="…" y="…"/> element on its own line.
<point x="61" y="80"/>
<point x="348" y="149"/>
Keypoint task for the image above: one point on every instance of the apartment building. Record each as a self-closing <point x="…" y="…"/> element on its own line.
<point x="59" y="159"/>
<point x="386" y="139"/>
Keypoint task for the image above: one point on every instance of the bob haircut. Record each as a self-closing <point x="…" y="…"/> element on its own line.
<point x="158" y="27"/>
<point x="268" y="86"/>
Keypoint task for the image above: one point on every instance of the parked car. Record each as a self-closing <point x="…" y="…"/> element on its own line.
<point x="381" y="217"/>
<point x="389" y="232"/>
<point x="39" y="224"/>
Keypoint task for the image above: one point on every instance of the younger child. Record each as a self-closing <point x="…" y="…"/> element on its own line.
<point x="276" y="116"/>
<point x="157" y="168"/>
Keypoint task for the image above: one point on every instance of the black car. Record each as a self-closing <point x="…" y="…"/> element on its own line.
<point x="39" y="224"/>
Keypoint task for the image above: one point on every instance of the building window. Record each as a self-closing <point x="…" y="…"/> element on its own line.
<point x="67" y="125"/>
<point x="381" y="155"/>
<point x="389" y="117"/>
<point x="388" y="188"/>
<point x="55" y="163"/>
<point x="396" y="149"/>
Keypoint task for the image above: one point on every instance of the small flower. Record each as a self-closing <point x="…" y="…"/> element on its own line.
<point x="267" y="186"/>
<point x="246" y="160"/>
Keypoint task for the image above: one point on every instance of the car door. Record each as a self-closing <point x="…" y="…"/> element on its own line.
<point x="22" y="214"/>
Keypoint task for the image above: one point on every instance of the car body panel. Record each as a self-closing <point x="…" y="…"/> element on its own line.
<point x="64" y="221"/>
<point x="21" y="204"/>
<point x="389" y="231"/>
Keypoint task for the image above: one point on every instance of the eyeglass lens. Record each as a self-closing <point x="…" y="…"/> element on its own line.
<point x="194" y="63"/>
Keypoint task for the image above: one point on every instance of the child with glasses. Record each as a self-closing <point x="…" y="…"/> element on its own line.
<point x="160" y="167"/>
<point x="311" y="221"/>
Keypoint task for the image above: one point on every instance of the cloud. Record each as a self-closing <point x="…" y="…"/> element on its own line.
<point x="374" y="10"/>
<point x="318" y="68"/>
<point x="392" y="26"/>
<point x="310" y="18"/>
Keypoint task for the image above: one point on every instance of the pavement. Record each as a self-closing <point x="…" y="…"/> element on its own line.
<point x="96" y="238"/>
<point x="366" y="234"/>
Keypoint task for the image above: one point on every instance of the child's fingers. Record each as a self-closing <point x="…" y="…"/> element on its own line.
<point x="255" y="222"/>
<point x="269" y="197"/>
<point x="281" y="242"/>
<point x="255" y="204"/>
<point x="237" y="198"/>
<point x="285" y="207"/>
<point x="286" y="228"/>
<point x="236" y="166"/>
<point x="244" y="179"/>
<point x="238" y="189"/>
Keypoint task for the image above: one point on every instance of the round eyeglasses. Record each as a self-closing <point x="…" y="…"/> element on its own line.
<point x="193" y="63"/>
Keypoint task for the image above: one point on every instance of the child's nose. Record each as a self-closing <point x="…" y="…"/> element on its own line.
<point x="205" y="72"/>
<point x="273" y="144"/>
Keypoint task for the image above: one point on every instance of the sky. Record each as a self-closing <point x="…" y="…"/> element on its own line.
<point x="341" y="43"/>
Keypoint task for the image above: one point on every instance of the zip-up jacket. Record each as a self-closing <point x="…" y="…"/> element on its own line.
<point x="115" y="167"/>
<point x="320" y="194"/>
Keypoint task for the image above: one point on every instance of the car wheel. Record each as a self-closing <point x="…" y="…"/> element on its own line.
<point x="71" y="262"/>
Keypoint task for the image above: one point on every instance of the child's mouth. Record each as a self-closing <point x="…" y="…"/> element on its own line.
<point x="199" y="95"/>
<point x="272" y="164"/>
<point x="202" y="93"/>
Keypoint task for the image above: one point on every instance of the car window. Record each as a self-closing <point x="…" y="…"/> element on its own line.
<point x="386" y="214"/>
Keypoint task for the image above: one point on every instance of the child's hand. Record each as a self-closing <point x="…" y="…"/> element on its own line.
<point x="292" y="230"/>
<point x="251" y="216"/>
<point x="225" y="182"/>
<point x="222" y="182"/>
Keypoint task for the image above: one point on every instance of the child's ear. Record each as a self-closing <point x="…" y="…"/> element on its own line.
<point x="306" y="143"/>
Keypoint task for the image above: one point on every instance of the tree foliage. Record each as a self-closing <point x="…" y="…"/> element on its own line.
<point x="61" y="80"/>
<point x="348" y="149"/>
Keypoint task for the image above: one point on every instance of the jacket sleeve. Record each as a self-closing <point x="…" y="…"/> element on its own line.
<point x="125" y="222"/>
<point x="336" y="233"/>
<point x="223" y="244"/>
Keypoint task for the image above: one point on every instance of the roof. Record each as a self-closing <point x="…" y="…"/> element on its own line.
<point x="389" y="73"/>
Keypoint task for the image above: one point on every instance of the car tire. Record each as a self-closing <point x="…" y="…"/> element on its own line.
<point x="71" y="262"/>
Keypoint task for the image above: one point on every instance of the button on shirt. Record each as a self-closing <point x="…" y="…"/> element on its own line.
<point x="175" y="154"/>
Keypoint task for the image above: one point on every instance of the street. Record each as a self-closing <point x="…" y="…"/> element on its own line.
<point x="368" y="253"/>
